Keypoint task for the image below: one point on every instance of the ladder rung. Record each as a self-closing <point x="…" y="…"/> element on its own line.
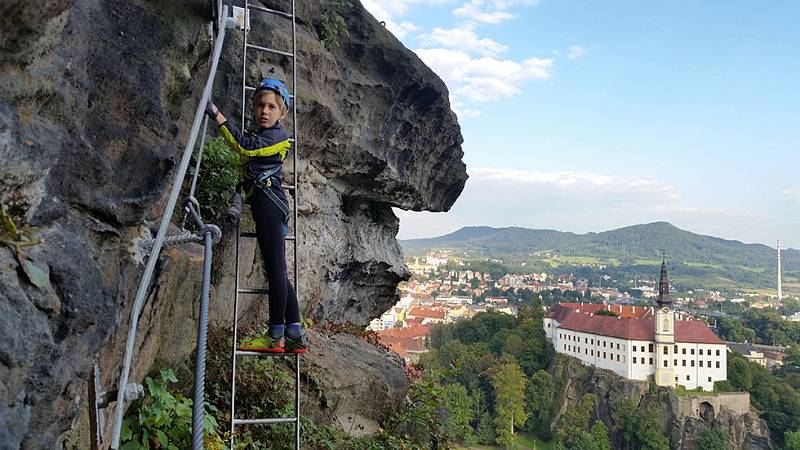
<point x="271" y="11"/>
<point x="288" y="187"/>
<point x="292" y="140"/>
<point x="237" y="422"/>
<point x="270" y="50"/>
<point x="253" y="291"/>
<point x="291" y="237"/>
<point x="251" y="353"/>
<point x="248" y="234"/>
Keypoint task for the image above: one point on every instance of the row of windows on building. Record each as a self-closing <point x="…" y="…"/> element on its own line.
<point x="590" y="352"/>
<point x="683" y="351"/>
<point x="689" y="378"/>
<point x="586" y="340"/>
<point x="636" y="359"/>
<point x="675" y="362"/>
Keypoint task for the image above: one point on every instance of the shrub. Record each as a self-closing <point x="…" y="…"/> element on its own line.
<point x="220" y="171"/>
<point x="332" y="24"/>
<point x="163" y="420"/>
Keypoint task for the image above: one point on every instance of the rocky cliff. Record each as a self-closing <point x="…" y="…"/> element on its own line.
<point x="96" y="99"/>
<point x="687" y="419"/>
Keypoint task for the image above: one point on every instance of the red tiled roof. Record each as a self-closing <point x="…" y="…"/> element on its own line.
<point x="687" y="331"/>
<point x="417" y="311"/>
<point x="403" y="346"/>
<point x="620" y="310"/>
<point x="409" y="332"/>
<point x="413" y="321"/>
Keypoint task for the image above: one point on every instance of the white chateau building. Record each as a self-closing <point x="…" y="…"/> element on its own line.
<point x="640" y="342"/>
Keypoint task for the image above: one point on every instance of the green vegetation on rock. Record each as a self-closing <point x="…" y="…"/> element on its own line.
<point x="220" y="171"/>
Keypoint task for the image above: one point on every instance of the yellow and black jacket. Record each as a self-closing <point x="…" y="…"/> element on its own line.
<point x="262" y="151"/>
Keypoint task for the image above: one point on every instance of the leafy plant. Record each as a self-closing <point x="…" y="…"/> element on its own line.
<point x="332" y="25"/>
<point x="163" y="420"/>
<point x="220" y="171"/>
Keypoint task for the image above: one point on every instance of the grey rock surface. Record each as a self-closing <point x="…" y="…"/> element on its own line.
<point x="683" y="428"/>
<point x="96" y="99"/>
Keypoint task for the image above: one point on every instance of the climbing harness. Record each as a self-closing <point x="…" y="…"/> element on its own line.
<point x="263" y="182"/>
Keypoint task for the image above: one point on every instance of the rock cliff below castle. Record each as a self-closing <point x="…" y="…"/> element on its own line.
<point x="687" y="418"/>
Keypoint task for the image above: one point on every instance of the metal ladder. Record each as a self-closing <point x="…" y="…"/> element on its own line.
<point x="292" y="238"/>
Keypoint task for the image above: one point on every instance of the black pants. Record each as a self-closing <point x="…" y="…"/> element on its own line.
<point x="283" y="306"/>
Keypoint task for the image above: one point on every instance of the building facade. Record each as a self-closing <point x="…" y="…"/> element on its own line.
<point x="640" y="343"/>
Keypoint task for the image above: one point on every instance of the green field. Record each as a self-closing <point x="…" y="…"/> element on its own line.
<point x="523" y="441"/>
<point x="702" y="265"/>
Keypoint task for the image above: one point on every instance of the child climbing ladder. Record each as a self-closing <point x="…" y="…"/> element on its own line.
<point x="264" y="152"/>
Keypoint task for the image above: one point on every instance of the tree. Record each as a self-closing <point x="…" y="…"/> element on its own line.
<point x="733" y="329"/>
<point x="642" y="427"/>
<point x="540" y="400"/>
<point x="739" y="373"/>
<point x="508" y="382"/>
<point x="575" y="421"/>
<point x="715" y="439"/>
<point x="459" y="412"/>
<point x="572" y="433"/>
<point x="792" y="440"/>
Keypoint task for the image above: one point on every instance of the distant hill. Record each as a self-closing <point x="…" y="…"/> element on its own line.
<point x="637" y="245"/>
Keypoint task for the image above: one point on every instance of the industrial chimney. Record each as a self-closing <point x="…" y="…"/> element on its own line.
<point x="780" y="291"/>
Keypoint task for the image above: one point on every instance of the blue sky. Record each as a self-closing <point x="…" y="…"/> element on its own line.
<point x="587" y="115"/>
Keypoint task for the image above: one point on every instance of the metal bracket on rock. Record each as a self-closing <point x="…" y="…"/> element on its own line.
<point x="242" y="18"/>
<point x="182" y="238"/>
<point x="99" y="399"/>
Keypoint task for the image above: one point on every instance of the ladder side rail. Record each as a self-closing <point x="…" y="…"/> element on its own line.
<point x="295" y="203"/>
<point x="243" y="124"/>
<point x="144" y="284"/>
<point x="235" y="332"/>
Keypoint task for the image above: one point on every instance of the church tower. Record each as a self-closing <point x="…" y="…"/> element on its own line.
<point x="664" y="332"/>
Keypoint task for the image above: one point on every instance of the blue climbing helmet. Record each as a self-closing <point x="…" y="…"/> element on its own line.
<point x="276" y="86"/>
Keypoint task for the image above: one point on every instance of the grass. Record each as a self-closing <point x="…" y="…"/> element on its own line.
<point x="647" y="262"/>
<point x="585" y="260"/>
<point x="703" y="265"/>
<point x="522" y="441"/>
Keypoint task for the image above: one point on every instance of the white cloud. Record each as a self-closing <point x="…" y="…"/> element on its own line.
<point x="485" y="78"/>
<point x="576" y="181"/>
<point x="464" y="38"/>
<point x="792" y="193"/>
<point x="400" y="29"/>
<point x="576" y="52"/>
<point x="489" y="11"/>
<point x="470" y="65"/>
<point x="462" y="111"/>
<point x="388" y="10"/>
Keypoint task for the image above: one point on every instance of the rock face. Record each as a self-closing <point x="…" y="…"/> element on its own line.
<point x="687" y="419"/>
<point x="96" y="99"/>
